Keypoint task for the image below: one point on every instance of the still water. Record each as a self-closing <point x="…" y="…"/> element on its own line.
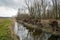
<point x="26" y="34"/>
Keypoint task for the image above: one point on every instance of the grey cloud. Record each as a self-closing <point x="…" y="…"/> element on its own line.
<point x="10" y="3"/>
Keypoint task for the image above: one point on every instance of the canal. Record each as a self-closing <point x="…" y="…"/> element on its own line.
<point x="28" y="34"/>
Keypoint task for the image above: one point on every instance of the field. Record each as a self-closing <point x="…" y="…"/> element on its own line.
<point x="5" y="33"/>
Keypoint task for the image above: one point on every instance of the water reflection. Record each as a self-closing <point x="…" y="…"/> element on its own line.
<point x="28" y="34"/>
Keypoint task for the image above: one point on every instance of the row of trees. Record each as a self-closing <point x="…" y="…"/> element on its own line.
<point x="44" y="9"/>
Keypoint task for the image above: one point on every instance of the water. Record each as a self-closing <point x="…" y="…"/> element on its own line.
<point x="20" y="31"/>
<point x="26" y="34"/>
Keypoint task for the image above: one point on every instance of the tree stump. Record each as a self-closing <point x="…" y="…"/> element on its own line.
<point x="54" y="25"/>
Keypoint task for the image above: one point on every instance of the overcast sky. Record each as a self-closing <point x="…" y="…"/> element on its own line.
<point x="9" y="8"/>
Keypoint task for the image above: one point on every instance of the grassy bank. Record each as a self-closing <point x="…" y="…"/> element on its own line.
<point x="5" y="32"/>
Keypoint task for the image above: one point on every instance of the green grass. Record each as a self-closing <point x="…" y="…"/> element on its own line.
<point x="5" y="33"/>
